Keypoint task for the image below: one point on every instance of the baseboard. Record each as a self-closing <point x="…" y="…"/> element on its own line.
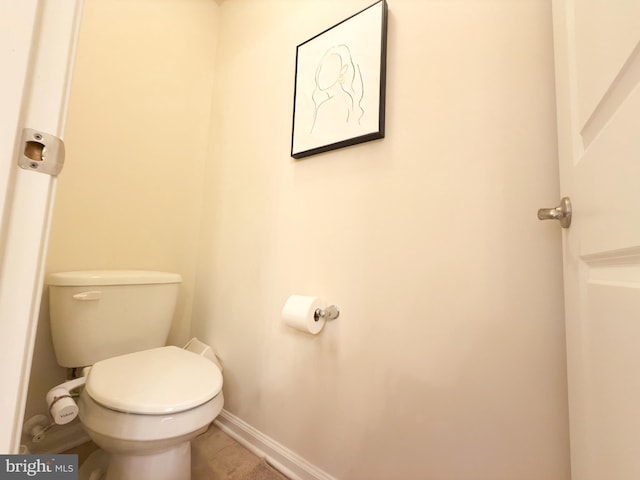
<point x="278" y="456"/>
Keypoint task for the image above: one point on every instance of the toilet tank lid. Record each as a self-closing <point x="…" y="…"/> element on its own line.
<point x="111" y="277"/>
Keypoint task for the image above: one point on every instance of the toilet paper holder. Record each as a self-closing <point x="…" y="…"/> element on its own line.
<point x="328" y="313"/>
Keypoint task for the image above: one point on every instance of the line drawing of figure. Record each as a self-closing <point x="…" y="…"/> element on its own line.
<point x="339" y="89"/>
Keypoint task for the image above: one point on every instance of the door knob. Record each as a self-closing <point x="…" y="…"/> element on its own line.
<point x="562" y="212"/>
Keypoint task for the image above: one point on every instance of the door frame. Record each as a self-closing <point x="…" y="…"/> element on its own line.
<point x="37" y="52"/>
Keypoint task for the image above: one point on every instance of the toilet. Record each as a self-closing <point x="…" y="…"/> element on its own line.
<point x="142" y="401"/>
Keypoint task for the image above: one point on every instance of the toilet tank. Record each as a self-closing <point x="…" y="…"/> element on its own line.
<point x="98" y="314"/>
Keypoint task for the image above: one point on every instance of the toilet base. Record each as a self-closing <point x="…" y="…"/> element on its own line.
<point x="95" y="466"/>
<point x="147" y="447"/>
<point x="171" y="464"/>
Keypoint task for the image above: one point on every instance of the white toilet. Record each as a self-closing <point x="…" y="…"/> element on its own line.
<point x="143" y="402"/>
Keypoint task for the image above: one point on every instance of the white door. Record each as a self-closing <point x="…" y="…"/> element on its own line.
<point x="37" y="42"/>
<point x="598" y="100"/>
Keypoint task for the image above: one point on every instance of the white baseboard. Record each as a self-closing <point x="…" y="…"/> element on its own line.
<point x="278" y="456"/>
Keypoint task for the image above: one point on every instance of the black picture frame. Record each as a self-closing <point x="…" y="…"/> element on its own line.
<point x="340" y="84"/>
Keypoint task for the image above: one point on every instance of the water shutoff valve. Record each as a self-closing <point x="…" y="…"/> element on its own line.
<point x="35" y="428"/>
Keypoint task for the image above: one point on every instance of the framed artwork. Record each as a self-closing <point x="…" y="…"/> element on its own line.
<point x="339" y="95"/>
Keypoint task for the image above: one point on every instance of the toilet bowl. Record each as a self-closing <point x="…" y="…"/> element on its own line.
<point x="144" y="408"/>
<point x="141" y="405"/>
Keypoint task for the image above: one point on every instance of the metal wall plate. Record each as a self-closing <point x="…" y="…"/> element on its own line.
<point x="41" y="152"/>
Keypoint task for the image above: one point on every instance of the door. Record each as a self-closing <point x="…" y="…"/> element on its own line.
<point x="37" y="41"/>
<point x="598" y="103"/>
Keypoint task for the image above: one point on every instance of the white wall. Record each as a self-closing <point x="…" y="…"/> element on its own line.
<point x="447" y="361"/>
<point x="137" y="136"/>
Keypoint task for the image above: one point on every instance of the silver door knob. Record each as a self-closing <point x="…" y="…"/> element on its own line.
<point x="562" y="213"/>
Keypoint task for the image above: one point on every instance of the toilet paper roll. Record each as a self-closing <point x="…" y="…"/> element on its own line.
<point x="299" y="313"/>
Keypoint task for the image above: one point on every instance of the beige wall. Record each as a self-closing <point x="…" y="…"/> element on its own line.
<point x="137" y="136"/>
<point x="137" y="139"/>
<point x="447" y="361"/>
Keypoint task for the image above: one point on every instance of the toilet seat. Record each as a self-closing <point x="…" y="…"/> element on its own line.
<point x="159" y="381"/>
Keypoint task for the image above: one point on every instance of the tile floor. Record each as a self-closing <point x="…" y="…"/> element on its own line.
<point x="214" y="456"/>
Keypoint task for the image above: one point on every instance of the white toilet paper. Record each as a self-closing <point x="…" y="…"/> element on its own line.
<point x="299" y="313"/>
